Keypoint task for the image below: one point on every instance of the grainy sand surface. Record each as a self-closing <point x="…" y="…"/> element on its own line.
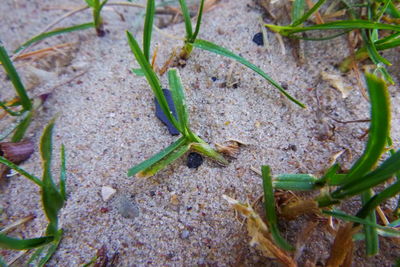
<point x="107" y="123"/>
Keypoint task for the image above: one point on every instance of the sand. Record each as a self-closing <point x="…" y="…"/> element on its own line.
<point x="107" y="123"/>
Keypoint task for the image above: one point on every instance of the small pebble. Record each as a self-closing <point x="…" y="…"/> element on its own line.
<point x="174" y="199"/>
<point x="194" y="160"/>
<point x="107" y="193"/>
<point x="185" y="234"/>
<point x="127" y="208"/>
<point x="258" y="39"/>
<point x="214" y="78"/>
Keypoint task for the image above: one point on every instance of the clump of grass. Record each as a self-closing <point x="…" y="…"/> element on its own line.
<point x="97" y="6"/>
<point x="27" y="106"/>
<point x="359" y="180"/>
<point x="188" y="140"/>
<point x="53" y="198"/>
<point x="379" y="30"/>
<point x="12" y="74"/>
<point x="335" y="188"/>
<point x="191" y="41"/>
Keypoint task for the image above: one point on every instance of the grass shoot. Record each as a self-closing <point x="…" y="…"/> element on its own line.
<point x="359" y="180"/>
<point x="53" y="198"/>
<point x="188" y="140"/>
<point x="379" y="30"/>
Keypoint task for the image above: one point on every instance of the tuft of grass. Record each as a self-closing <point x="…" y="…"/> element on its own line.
<point x="379" y="30"/>
<point x="97" y="6"/>
<point x="191" y="41"/>
<point x="16" y="81"/>
<point x="188" y="140"/>
<point x="359" y="180"/>
<point x="53" y="199"/>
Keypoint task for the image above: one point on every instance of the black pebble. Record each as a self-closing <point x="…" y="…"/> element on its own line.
<point x="161" y="116"/>
<point x="194" y="160"/>
<point x="258" y="39"/>
<point x="214" y="78"/>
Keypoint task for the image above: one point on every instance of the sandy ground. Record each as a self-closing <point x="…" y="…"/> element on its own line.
<point x="107" y="124"/>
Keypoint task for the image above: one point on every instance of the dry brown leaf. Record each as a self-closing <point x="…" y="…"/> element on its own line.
<point x="260" y="236"/>
<point x="342" y="248"/>
<point x="336" y="81"/>
<point x="209" y="5"/>
<point x="299" y="207"/>
<point x="230" y="149"/>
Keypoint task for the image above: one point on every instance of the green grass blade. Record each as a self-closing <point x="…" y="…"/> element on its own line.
<point x="164" y="162"/>
<point x="346" y="217"/>
<point x="198" y="23"/>
<point x="22" y="128"/>
<point x="10" y="111"/>
<point x="379" y="15"/>
<point x="7" y="242"/>
<point x="388" y="45"/>
<point x="90" y="2"/>
<point x="178" y="96"/>
<point x="52" y="247"/>
<point x="329" y="175"/>
<point x="371" y="233"/>
<point x="152" y="80"/>
<point x="21" y="171"/>
<point x="379" y="129"/>
<point x="159" y="156"/>
<point x="297" y="182"/>
<point x="336" y="25"/>
<point x="148" y="28"/>
<point x="385" y="171"/>
<point x="51" y="197"/>
<point x="298" y="8"/>
<point x="206" y="150"/>
<point x="14" y="77"/>
<point x="208" y="46"/>
<point x="35" y="255"/>
<point x="186" y="18"/>
<point x="376" y="58"/>
<point x="393" y="11"/>
<point x="138" y="72"/>
<point x="43" y="254"/>
<point x="270" y="209"/>
<point x="308" y="13"/>
<point x="58" y="31"/>
<point x="63" y="173"/>
<point x="379" y="198"/>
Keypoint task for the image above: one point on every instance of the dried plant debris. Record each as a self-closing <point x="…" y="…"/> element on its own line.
<point x="231" y="149"/>
<point x="342" y="248"/>
<point x="336" y="81"/>
<point x="102" y="259"/>
<point x="16" y="152"/>
<point x="299" y="207"/>
<point x="259" y="233"/>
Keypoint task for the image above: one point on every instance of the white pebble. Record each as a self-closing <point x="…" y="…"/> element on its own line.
<point x="107" y="192"/>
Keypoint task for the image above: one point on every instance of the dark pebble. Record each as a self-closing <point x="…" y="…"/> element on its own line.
<point x="258" y="39"/>
<point x="161" y="116"/>
<point x="214" y="78"/>
<point x="194" y="160"/>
